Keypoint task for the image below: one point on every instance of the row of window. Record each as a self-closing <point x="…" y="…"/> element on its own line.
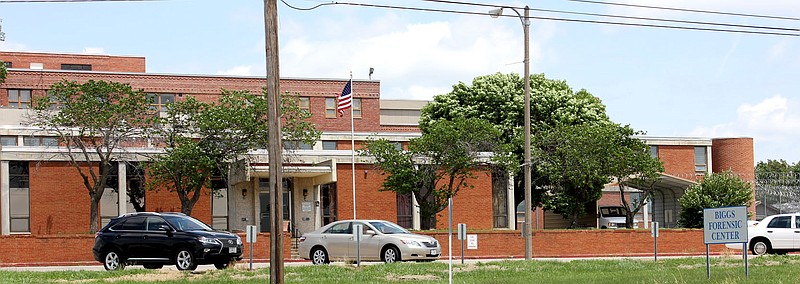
<point x="81" y="67"/>
<point x="53" y="141"/>
<point x="21" y="99"/>
<point x="28" y="141"/>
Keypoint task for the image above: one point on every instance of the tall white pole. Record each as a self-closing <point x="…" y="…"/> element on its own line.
<point x="353" y="142"/>
<point x="528" y="195"/>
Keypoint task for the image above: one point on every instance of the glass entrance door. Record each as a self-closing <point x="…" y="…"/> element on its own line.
<point x="263" y="196"/>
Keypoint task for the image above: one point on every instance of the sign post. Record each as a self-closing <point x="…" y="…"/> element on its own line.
<point x="251" y="239"/>
<point x="725" y="225"/>
<point x="357" y="231"/>
<point x="654" y="233"/>
<point x="462" y="236"/>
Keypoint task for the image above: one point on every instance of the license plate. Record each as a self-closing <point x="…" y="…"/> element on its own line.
<point x="433" y="251"/>
<point x="232" y="250"/>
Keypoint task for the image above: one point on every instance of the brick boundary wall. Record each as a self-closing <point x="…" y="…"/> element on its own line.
<point x="41" y="250"/>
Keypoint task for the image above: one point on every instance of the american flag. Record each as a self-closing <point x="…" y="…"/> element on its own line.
<point x="346" y="98"/>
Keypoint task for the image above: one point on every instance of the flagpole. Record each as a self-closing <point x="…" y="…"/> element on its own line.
<point x="353" y="145"/>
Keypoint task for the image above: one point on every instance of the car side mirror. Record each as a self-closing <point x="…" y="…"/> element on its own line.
<point x="370" y="232"/>
<point x="165" y="228"/>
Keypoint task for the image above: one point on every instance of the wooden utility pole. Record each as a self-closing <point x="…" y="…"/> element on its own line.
<point x="275" y="163"/>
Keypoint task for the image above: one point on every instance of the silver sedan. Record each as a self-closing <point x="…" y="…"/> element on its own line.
<point x="380" y="241"/>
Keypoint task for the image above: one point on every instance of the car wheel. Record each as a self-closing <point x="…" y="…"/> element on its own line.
<point x="223" y="264"/>
<point x="153" y="266"/>
<point x="390" y="254"/>
<point x="319" y="256"/>
<point x="112" y="260"/>
<point x="184" y="260"/>
<point x="761" y="247"/>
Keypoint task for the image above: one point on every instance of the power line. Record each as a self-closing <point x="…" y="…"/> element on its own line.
<point x="623" y="17"/>
<point x="550" y="18"/>
<point x="687" y="10"/>
<point x="70" y="1"/>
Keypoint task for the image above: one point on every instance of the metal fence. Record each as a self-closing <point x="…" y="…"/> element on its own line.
<point x="777" y="193"/>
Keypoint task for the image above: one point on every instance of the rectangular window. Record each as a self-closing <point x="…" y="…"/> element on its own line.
<point x="296" y="145"/>
<point x="19" y="98"/>
<point x="219" y="207"/>
<point x="654" y="151"/>
<point x="8" y="64"/>
<point x="39" y="141"/>
<point x="330" y="107"/>
<point x="160" y="101"/>
<point x="8" y="140"/>
<point x="329" y="145"/>
<point x="54" y="103"/>
<point x="305" y="103"/>
<point x="500" y="197"/>
<point x="79" y="67"/>
<point x="356" y="108"/>
<point x="405" y="210"/>
<point x="19" y="205"/>
<point x="700" y="159"/>
<point x="398" y="145"/>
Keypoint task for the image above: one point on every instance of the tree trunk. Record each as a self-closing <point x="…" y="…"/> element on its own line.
<point x="94" y="212"/>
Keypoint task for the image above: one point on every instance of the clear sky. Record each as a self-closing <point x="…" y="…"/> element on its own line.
<point x="663" y="81"/>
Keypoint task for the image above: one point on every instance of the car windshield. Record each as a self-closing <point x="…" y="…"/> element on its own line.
<point x="388" y="228"/>
<point x="612" y="211"/>
<point x="185" y="223"/>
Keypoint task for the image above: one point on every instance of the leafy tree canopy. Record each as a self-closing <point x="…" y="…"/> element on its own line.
<point x="716" y="190"/>
<point x="203" y="139"/>
<point x="438" y="164"/>
<point x="94" y="120"/>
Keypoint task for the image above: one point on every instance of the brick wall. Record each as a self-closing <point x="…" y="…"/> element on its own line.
<point x="472" y="206"/>
<point x="735" y="154"/>
<point x="65" y="249"/>
<point x="678" y="160"/>
<point x="59" y="202"/>
<point x="53" y="61"/>
<point x="33" y="250"/>
<point x="371" y="203"/>
<point x="208" y="88"/>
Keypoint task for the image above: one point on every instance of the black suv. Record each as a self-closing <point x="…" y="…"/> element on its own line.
<point x="156" y="239"/>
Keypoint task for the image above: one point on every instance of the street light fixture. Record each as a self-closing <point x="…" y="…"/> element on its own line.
<point x="527" y="228"/>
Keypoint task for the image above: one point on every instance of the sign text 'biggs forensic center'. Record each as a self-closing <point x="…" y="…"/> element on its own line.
<point x="725" y="225"/>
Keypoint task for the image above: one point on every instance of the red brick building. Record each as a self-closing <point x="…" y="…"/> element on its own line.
<point x="41" y="194"/>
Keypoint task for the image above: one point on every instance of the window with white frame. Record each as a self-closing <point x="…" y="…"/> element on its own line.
<point x="700" y="159"/>
<point x="329" y="145"/>
<point x="8" y="140"/>
<point x="219" y="204"/>
<point x="654" y="151"/>
<point x="39" y="141"/>
<point x="20" y="198"/>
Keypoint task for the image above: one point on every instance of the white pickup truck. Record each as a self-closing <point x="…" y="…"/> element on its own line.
<point x="613" y="217"/>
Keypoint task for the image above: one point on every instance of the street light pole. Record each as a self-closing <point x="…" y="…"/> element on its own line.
<point x="527" y="228"/>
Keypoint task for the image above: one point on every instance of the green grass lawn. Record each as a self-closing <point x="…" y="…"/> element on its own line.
<point x="769" y="269"/>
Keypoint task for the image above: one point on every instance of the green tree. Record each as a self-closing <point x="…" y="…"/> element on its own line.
<point x="203" y="139"/>
<point x="438" y="164"/>
<point x="578" y="160"/>
<point x="95" y="121"/>
<point x="716" y="190"/>
<point x="499" y="99"/>
<point x="3" y="72"/>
